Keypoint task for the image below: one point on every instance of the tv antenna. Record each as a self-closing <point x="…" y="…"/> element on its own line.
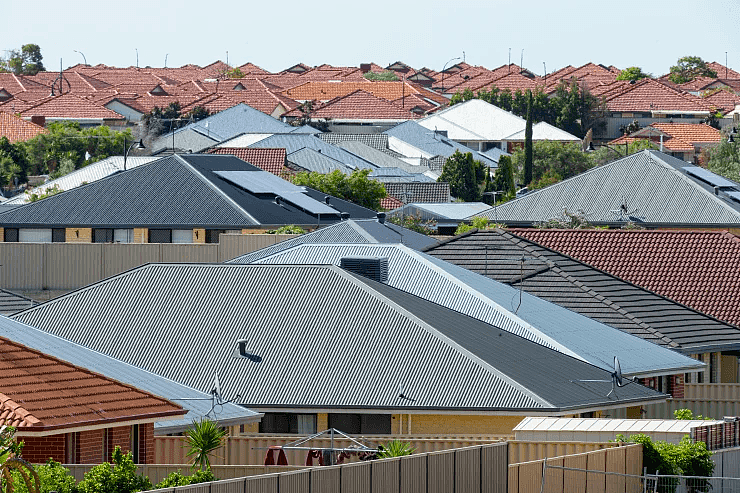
<point x="624" y="213"/>
<point x="617" y="379"/>
<point x="216" y="398"/>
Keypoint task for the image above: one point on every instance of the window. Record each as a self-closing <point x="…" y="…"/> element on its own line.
<point x="58" y="235"/>
<point x="160" y="236"/>
<point x="182" y="236"/>
<point x="34" y="235"/>
<point x="72" y="448"/>
<point x="100" y="235"/>
<point x="288" y="423"/>
<point x="10" y="235"/>
<point x="361" y="424"/>
<point x="213" y="234"/>
<point x="123" y="236"/>
<point x="135" y="443"/>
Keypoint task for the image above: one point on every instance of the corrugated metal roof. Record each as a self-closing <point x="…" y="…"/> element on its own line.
<point x="649" y="183"/>
<point x="11" y="303"/>
<point x="364" y="339"/>
<point x="312" y="160"/>
<point x="454" y="211"/>
<point x="296" y="142"/>
<point x="88" y="174"/>
<point x="379" y="158"/>
<point x="350" y="231"/>
<point x="545" y="131"/>
<point x="474" y="120"/>
<point x="92" y="360"/>
<point x="498" y="304"/>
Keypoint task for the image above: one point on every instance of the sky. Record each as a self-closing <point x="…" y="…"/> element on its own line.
<point x="651" y="34"/>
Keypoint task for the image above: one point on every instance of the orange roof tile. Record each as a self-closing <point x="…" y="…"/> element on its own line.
<point x="359" y="105"/>
<point x="39" y="393"/>
<point x="680" y="137"/>
<point x="70" y="106"/>
<point x="268" y="159"/>
<point x="652" y="95"/>
<point x="325" y="91"/>
<point x="18" y="130"/>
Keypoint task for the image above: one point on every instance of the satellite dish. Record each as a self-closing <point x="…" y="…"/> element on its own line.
<point x="216" y="390"/>
<point x="617" y="379"/>
<point x="618" y="372"/>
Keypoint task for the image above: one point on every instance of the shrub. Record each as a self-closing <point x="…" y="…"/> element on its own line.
<point x="178" y="479"/>
<point x="52" y="477"/>
<point x="119" y="477"/>
<point x="290" y="229"/>
<point x="395" y="448"/>
<point x="463" y="228"/>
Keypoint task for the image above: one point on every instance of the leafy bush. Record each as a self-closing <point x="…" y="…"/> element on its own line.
<point x="33" y="197"/>
<point x="386" y="75"/>
<point x="687" y="414"/>
<point x="178" y="479"/>
<point x="290" y="229"/>
<point x="52" y="477"/>
<point x="357" y="187"/>
<point x="395" y="448"/>
<point x="414" y="223"/>
<point x="203" y="438"/>
<point x="119" y="477"/>
<point x="463" y="228"/>
<point x="480" y="223"/>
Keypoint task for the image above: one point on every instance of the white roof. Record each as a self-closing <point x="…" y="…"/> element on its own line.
<point x="243" y="140"/>
<point x="88" y="174"/>
<point x="474" y="120"/>
<point x="545" y="131"/>
<point x="603" y="429"/>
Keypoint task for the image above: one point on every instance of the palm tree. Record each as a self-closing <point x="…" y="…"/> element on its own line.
<point x="202" y="439"/>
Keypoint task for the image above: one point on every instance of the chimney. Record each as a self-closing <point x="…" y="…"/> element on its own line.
<point x="345" y="216"/>
<point x="365" y="67"/>
<point x="381" y="217"/>
<point x="39" y="120"/>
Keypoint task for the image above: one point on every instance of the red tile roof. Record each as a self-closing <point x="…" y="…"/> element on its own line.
<point x="699" y="269"/>
<point x="16" y="129"/>
<point x="721" y="72"/>
<point x="69" y="106"/>
<point x="325" y="91"/>
<point x="650" y="95"/>
<point x="390" y="203"/>
<point x="359" y="105"/>
<point x="724" y="100"/>
<point x="268" y="159"/>
<point x="39" y="393"/>
<point x="679" y="137"/>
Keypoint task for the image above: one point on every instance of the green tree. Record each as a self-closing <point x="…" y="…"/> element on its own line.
<point x="386" y="75"/>
<point x="564" y="159"/>
<point x="465" y="176"/>
<point x="688" y="68"/>
<point x="724" y="159"/>
<point x="633" y="74"/>
<point x="52" y="477"/>
<point x="503" y="181"/>
<point x="119" y="477"/>
<point x="357" y="187"/>
<point x="201" y="440"/>
<point x="26" y="61"/>
<point x="687" y="414"/>
<point x="414" y="223"/>
<point x="528" y="156"/>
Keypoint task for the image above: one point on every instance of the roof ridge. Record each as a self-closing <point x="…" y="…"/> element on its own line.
<point x="448" y="341"/>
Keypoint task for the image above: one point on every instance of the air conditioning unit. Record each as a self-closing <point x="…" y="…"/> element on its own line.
<point x="375" y="268"/>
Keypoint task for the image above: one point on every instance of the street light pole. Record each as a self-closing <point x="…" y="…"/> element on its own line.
<point x="443" y="70"/>
<point x="138" y="145"/>
<point x="83" y="56"/>
<point x="591" y="148"/>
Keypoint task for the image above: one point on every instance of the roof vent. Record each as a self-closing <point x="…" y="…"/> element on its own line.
<point x="716" y="190"/>
<point x="327" y="199"/>
<point x="381" y="217"/>
<point x="372" y="268"/>
<point x="243" y="352"/>
<point x="345" y="216"/>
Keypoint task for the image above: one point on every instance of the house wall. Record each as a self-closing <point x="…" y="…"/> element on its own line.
<point x="91" y="447"/>
<point x="141" y="235"/>
<point x="119" y="437"/>
<point x="613" y="124"/>
<point x="38" y="450"/>
<point x="78" y="235"/>
<point x="458" y="424"/>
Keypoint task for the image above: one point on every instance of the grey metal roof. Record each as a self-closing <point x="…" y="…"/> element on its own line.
<point x="435" y="192"/>
<point x="579" y="287"/>
<point x="223" y="125"/>
<point x="185" y="140"/>
<point x="376" y="141"/>
<point x="176" y="191"/>
<point x="433" y="143"/>
<point x="452" y="211"/>
<point x="312" y="160"/>
<point x="350" y="231"/>
<point x="495" y="303"/>
<point x="495" y="153"/>
<point x="294" y="142"/>
<point x="185" y="396"/>
<point x="652" y="186"/>
<point x="11" y="303"/>
<point x="380" y="158"/>
<point x="364" y="339"/>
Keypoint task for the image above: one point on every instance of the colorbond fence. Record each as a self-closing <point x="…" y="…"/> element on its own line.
<point x="524" y="451"/>
<point x="252" y="449"/>
<point x="67" y="266"/>
<point x="527" y="477"/>
<point x="479" y="469"/>
<point x="157" y="472"/>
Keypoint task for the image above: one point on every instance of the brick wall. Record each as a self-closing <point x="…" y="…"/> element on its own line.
<point x="38" y="450"/>
<point x="91" y="446"/>
<point x="121" y="437"/>
<point x="146" y="443"/>
<point x="78" y="235"/>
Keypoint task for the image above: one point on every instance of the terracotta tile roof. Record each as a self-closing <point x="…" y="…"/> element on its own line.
<point x="18" y="130"/>
<point x="723" y="72"/>
<point x="359" y="105"/>
<point x="697" y="84"/>
<point x="270" y="160"/>
<point x="390" y="203"/>
<point x="69" y="106"/>
<point x="699" y="269"/>
<point x="325" y="91"/>
<point x="39" y="392"/>
<point x="251" y="69"/>
<point x="680" y="136"/>
<point x="511" y="82"/>
<point x="723" y="100"/>
<point x="651" y="95"/>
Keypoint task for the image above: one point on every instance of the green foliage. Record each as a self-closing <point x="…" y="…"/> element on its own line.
<point x="503" y="181"/>
<point x="34" y="197"/>
<point x="52" y="477"/>
<point x="603" y="154"/>
<point x="178" y="479"/>
<point x="633" y="74"/>
<point x="414" y="223"/>
<point x="687" y="458"/>
<point x="234" y="73"/>
<point x="564" y="159"/>
<point x="26" y="61"/>
<point x="549" y="177"/>
<point x="724" y="159"/>
<point x="528" y="157"/>
<point x="357" y="187"/>
<point x="687" y="414"/>
<point x="171" y="117"/>
<point x="688" y="68"/>
<point x="395" y="448"/>
<point x="8" y="446"/>
<point x="66" y="166"/>
<point x="45" y="152"/>
<point x="119" y="477"/>
<point x="201" y="439"/>
<point x="567" y="220"/>
<point x="463" y="228"/>
<point x="464" y="175"/>
<point x="385" y="75"/>
<point x="290" y="229"/>
<point x="480" y="222"/>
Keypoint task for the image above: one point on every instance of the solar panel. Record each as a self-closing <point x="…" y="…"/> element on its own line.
<point x="734" y="196"/>
<point x="259" y="182"/>
<point x="708" y="176"/>
<point x="308" y="204"/>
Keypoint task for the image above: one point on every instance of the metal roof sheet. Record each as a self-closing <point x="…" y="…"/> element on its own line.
<point x="498" y="304"/>
<point x="456" y="211"/>
<point x="296" y="142"/>
<point x="185" y="396"/>
<point x="650" y="184"/>
<point x="193" y="314"/>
